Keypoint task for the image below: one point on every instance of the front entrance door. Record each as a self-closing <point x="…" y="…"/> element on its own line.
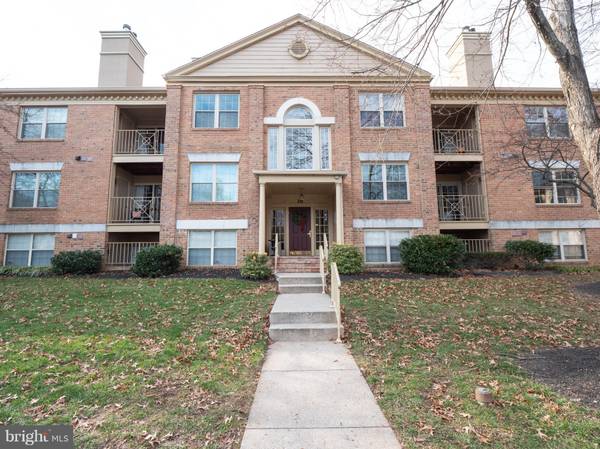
<point x="300" y="230"/>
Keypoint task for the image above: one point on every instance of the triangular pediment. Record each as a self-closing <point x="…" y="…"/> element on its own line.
<point x="267" y="54"/>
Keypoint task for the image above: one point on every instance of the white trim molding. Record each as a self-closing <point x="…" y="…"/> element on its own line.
<point x="385" y="223"/>
<point x="545" y="224"/>
<point x="377" y="157"/>
<point x="36" y="166"/>
<point x="317" y="118"/>
<point x="214" y="157"/>
<point x="553" y="164"/>
<point x="198" y="225"/>
<point x="50" y="228"/>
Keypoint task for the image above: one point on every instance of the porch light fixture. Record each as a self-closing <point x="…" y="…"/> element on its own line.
<point x="300" y="198"/>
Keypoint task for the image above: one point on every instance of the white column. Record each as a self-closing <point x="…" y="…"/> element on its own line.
<point x="261" y="219"/>
<point x="339" y="213"/>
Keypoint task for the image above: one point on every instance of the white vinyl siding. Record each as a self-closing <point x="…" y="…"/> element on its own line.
<point x="29" y="250"/>
<point x="210" y="248"/>
<point x="569" y="244"/>
<point x="216" y="110"/>
<point x="383" y="245"/>
<point x="43" y="123"/>
<point x="214" y="182"/>
<point x="35" y="189"/>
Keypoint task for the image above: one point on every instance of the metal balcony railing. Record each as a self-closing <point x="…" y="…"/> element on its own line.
<point x="474" y="246"/>
<point x="124" y="253"/>
<point x="140" y="141"/>
<point x="456" y="141"/>
<point x="462" y="208"/>
<point x="131" y="209"/>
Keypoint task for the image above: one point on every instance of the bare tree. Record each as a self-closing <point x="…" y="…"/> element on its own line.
<point x="409" y="29"/>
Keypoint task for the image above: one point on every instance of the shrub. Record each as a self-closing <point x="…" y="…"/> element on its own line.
<point x="159" y="260"/>
<point x="348" y="258"/>
<point x="77" y="262"/>
<point x="530" y="251"/>
<point x="32" y="272"/>
<point x="256" y="266"/>
<point x="432" y="254"/>
<point x="491" y="260"/>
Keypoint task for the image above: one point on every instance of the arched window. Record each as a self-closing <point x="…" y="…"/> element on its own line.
<point x="298" y="112"/>
<point x="299" y="142"/>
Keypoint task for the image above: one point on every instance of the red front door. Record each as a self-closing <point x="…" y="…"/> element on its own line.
<point x="300" y="229"/>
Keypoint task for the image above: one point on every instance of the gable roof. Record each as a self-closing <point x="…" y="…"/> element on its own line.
<point x="381" y="64"/>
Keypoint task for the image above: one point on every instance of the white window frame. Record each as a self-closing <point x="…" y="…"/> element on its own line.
<point x="30" y="250"/>
<point x="560" y="244"/>
<point x="388" y="251"/>
<point x="281" y="150"/>
<point x="37" y="188"/>
<point x="555" y="189"/>
<point x="214" y="182"/>
<point x="44" y="122"/>
<point x="217" y="109"/>
<point x="384" y="178"/>
<point x="382" y="111"/>
<point x="547" y="123"/>
<point x="212" y="246"/>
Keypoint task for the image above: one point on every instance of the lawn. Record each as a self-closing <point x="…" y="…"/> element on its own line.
<point x="133" y="363"/>
<point x="424" y="345"/>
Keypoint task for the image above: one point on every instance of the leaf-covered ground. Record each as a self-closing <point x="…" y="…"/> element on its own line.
<point x="424" y="345"/>
<point x="133" y="363"/>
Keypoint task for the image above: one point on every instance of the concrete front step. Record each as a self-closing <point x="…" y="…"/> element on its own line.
<point x="299" y="264"/>
<point x="303" y="332"/>
<point x="302" y="308"/>
<point x="301" y="288"/>
<point x="298" y="278"/>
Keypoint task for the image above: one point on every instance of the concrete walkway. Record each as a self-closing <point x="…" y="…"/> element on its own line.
<point x="311" y="395"/>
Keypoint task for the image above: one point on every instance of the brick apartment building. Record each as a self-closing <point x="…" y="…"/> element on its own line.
<point x="295" y="131"/>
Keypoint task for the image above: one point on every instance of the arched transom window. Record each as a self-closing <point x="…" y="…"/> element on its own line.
<point x="302" y="139"/>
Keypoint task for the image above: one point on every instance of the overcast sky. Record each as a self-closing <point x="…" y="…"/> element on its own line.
<point x="56" y="43"/>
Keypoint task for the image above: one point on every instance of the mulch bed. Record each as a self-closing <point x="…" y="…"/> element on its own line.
<point x="574" y="372"/>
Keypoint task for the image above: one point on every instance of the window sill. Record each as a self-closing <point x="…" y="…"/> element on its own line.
<point x="215" y="129"/>
<point x="30" y="208"/>
<point x="386" y="201"/>
<point x="380" y="128"/>
<point x="551" y="261"/>
<point x="214" y="203"/>
<point x="553" y="205"/>
<point x="40" y="140"/>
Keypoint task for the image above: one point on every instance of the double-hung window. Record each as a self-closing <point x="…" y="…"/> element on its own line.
<point x="556" y="186"/>
<point x="383" y="246"/>
<point x="212" y="248"/>
<point x="45" y="123"/>
<point x="35" y="189"/>
<point x="381" y="110"/>
<point x="29" y="250"/>
<point x="214" y="182"/>
<point x="547" y="121"/>
<point x="216" y="110"/>
<point x="568" y="244"/>
<point x="385" y="181"/>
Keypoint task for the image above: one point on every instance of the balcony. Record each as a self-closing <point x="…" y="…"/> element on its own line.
<point x="459" y="208"/>
<point x="456" y="141"/>
<point x="140" y="142"/>
<point x="134" y="210"/>
<point x="475" y="246"/>
<point x="124" y="253"/>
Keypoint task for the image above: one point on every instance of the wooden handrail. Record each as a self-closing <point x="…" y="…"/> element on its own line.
<point x="276" y="251"/>
<point x="336" y="285"/>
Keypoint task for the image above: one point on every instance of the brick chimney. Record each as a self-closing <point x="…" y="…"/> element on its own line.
<point x="121" y="59"/>
<point x="470" y="59"/>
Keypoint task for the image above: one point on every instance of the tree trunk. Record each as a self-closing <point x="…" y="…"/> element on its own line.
<point x="562" y="40"/>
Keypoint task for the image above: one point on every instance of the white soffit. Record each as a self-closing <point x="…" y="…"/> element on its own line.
<point x="212" y="224"/>
<point x="214" y="157"/>
<point x="384" y="156"/>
